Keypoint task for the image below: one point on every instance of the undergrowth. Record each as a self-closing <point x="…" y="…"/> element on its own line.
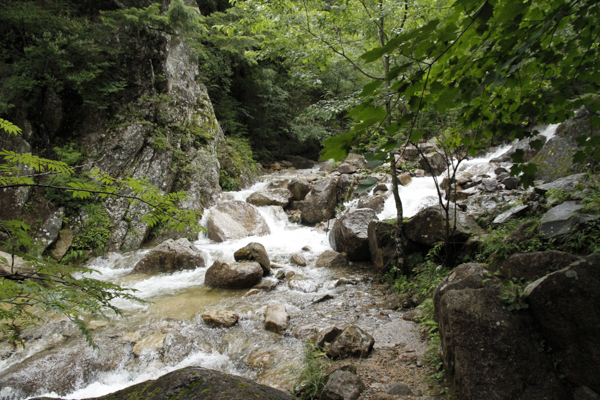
<point x="312" y="379"/>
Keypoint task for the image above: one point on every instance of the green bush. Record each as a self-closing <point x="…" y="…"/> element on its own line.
<point x="96" y="230"/>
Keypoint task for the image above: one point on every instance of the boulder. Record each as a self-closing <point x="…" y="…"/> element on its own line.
<point x="400" y="389"/>
<point x="220" y="318"/>
<point x="382" y="245"/>
<point x="319" y="204"/>
<point x="346" y="168"/>
<point x="375" y="203"/>
<point x="331" y="259"/>
<point x="349" y="234"/>
<point x="149" y="344"/>
<point x="534" y="265"/>
<point x="19" y="266"/>
<point x="434" y="163"/>
<point x="298" y="259"/>
<point x="566" y="308"/>
<point x="428" y="227"/>
<point x="488" y="351"/>
<point x="562" y="219"/>
<point x="235" y="220"/>
<point x="300" y="162"/>
<point x="254" y="252"/>
<point x="267" y="285"/>
<point x="352" y="342"/>
<point x="197" y="383"/>
<point x="513" y="212"/>
<point x="170" y="256"/>
<point x="404" y="178"/>
<point x="524" y="146"/>
<point x="301" y="285"/>
<point x="48" y="233"/>
<point x="237" y="275"/>
<point x="279" y="184"/>
<point x="326" y="335"/>
<point x="343" y="385"/>
<point x="62" y="245"/>
<point x="567" y="183"/>
<point x="299" y="189"/>
<point x="511" y="183"/>
<point x="270" y="197"/>
<point x="490" y="184"/>
<point x="276" y="318"/>
<point x="344" y="185"/>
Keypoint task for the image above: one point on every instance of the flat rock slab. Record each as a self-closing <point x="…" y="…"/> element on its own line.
<point x="395" y="333"/>
<point x="505" y="216"/>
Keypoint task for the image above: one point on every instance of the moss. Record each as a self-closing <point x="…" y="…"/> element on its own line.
<point x="187" y="390"/>
<point x="208" y="389"/>
<point x="96" y="230"/>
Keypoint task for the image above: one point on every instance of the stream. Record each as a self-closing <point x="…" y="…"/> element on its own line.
<point x="167" y="332"/>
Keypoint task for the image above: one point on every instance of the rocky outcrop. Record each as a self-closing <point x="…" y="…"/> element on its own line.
<point x="254" y="252"/>
<point x="220" y="318"/>
<point x="428" y="227"/>
<point x="331" y="259"/>
<point x="270" y="197"/>
<point x="236" y="275"/>
<point x="349" y="234"/>
<point x="170" y="256"/>
<point x="197" y="383"/>
<point x="565" y="308"/>
<point x="352" y="342"/>
<point x="319" y="204"/>
<point x="276" y="318"/>
<point x="235" y="220"/>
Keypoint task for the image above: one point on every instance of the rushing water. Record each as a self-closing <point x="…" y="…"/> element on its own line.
<point x="169" y="331"/>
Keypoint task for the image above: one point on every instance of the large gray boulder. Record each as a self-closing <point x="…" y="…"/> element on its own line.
<point x="566" y="309"/>
<point x="488" y="351"/>
<point x="197" y="383"/>
<point x="352" y="342"/>
<point x="49" y="231"/>
<point x="428" y="227"/>
<point x="349" y="234"/>
<point x="170" y="256"/>
<point x="319" y="204"/>
<point x="270" y="197"/>
<point x="562" y="220"/>
<point x="567" y="183"/>
<point x="530" y="266"/>
<point x="331" y="259"/>
<point x="235" y="275"/>
<point x="235" y="220"/>
<point x="254" y="252"/>
<point x="299" y="189"/>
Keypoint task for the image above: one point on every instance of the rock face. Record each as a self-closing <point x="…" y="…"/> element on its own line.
<point x="254" y="252"/>
<point x="270" y="197"/>
<point x="349" y="234"/>
<point x="565" y="306"/>
<point x="352" y="342"/>
<point x="276" y="318"/>
<point x="170" y="256"/>
<point x="220" y="318"/>
<point x="240" y="275"/>
<point x="235" y="220"/>
<point x="331" y="259"/>
<point x="343" y="385"/>
<point x="382" y="245"/>
<point x="319" y="204"/>
<point x="489" y="352"/>
<point x="428" y="227"/>
<point x="196" y="383"/>
<point x="530" y="266"/>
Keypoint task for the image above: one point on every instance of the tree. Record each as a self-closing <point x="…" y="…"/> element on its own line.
<point x="31" y="284"/>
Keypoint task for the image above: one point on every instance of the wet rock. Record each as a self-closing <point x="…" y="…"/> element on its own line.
<point x="398" y="331"/>
<point x="404" y="178"/>
<point x="400" y="389"/>
<point x="149" y="343"/>
<point x="48" y="233"/>
<point x="428" y="227"/>
<point x="279" y="184"/>
<point x="346" y="168"/>
<point x="343" y="385"/>
<point x="327" y="334"/>
<point x="562" y="220"/>
<point x="302" y="285"/>
<point x="382" y="245"/>
<point x="267" y="285"/>
<point x="349" y="234"/>
<point x="513" y="212"/>
<point x="170" y="256"/>
<point x="220" y="318"/>
<point x="414" y="316"/>
<point x="530" y="266"/>
<point x="252" y="292"/>
<point x="490" y="184"/>
<point x="323" y="298"/>
<point x="300" y="162"/>
<point x="331" y="259"/>
<point x="352" y="342"/>
<point x="381" y="187"/>
<point x="254" y="252"/>
<point x="319" y="204"/>
<point x="235" y="220"/>
<point x="488" y="351"/>
<point x="280" y="275"/>
<point x="299" y="189"/>
<point x="344" y="186"/>
<point x="233" y="275"/>
<point x="64" y="242"/>
<point x="289" y="274"/>
<point x="524" y="146"/>
<point x="375" y="203"/>
<point x="567" y="183"/>
<point x="195" y="383"/>
<point x="511" y="183"/>
<point x="298" y="259"/>
<point x="270" y="197"/>
<point x="276" y="318"/>
<point x="433" y="163"/>
<point x="564" y="306"/>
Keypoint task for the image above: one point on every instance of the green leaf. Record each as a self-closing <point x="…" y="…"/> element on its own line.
<point x="370" y="87"/>
<point x="365" y="185"/>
